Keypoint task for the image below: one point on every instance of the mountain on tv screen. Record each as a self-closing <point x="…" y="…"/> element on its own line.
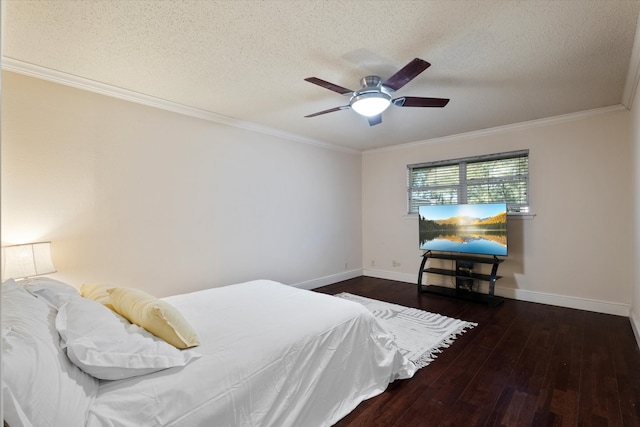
<point x="472" y="229"/>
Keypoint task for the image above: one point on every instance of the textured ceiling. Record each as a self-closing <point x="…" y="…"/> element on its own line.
<point x="500" y="62"/>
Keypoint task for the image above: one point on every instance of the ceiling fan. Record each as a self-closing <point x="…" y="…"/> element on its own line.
<point x="375" y="95"/>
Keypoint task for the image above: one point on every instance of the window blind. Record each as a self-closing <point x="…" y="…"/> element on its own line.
<point x="494" y="178"/>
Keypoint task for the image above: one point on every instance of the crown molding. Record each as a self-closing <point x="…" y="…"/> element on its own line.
<point x="507" y="128"/>
<point x="66" y="79"/>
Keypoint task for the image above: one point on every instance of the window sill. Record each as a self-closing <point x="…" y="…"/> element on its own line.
<point x="521" y="215"/>
<point x="512" y="215"/>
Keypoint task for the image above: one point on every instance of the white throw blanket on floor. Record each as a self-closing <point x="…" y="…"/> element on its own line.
<point x="419" y="334"/>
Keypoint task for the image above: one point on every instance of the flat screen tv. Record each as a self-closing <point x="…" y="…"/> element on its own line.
<point x="473" y="229"/>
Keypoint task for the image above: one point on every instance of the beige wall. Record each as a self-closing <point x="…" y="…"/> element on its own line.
<point x="575" y="251"/>
<point x="138" y="196"/>
<point x="142" y="197"/>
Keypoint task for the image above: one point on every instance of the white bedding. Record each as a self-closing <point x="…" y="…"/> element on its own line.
<point x="272" y="355"/>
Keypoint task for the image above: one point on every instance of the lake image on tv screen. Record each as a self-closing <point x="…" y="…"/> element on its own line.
<point x="473" y="229"/>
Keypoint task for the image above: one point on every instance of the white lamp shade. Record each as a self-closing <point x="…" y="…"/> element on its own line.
<point x="370" y="104"/>
<point x="31" y="259"/>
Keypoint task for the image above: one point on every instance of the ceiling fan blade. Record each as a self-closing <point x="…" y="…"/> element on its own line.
<point x="416" y="101"/>
<point x="327" y="85"/>
<point x="330" y="110"/>
<point x="375" y="120"/>
<point x="406" y="74"/>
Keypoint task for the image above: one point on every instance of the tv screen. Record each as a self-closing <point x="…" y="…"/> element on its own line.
<point x="473" y="229"/>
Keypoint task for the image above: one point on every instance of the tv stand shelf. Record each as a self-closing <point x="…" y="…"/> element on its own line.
<point x="464" y="275"/>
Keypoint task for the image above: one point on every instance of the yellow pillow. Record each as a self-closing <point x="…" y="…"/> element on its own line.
<point x="156" y="316"/>
<point x="97" y="293"/>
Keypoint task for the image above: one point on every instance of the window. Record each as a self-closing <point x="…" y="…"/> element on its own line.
<point x="493" y="178"/>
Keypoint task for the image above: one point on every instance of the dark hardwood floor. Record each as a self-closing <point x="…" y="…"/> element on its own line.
<point x="525" y="364"/>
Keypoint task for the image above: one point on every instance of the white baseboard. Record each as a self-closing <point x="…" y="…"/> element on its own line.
<point x="597" y="306"/>
<point x="328" y="280"/>
<point x="606" y="307"/>
<point x="391" y="275"/>
<point x="635" y="325"/>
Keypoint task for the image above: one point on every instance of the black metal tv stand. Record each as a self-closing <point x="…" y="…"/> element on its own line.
<point x="464" y="275"/>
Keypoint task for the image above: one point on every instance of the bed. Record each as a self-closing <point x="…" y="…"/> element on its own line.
<point x="268" y="355"/>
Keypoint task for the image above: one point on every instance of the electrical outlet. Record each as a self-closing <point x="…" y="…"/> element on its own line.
<point x="395" y="263"/>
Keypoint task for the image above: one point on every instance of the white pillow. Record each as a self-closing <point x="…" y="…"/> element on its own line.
<point x="38" y="381"/>
<point x="107" y="346"/>
<point x="52" y="291"/>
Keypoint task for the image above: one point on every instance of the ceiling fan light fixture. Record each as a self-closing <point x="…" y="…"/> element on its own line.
<point x="370" y="104"/>
<point x="374" y="96"/>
